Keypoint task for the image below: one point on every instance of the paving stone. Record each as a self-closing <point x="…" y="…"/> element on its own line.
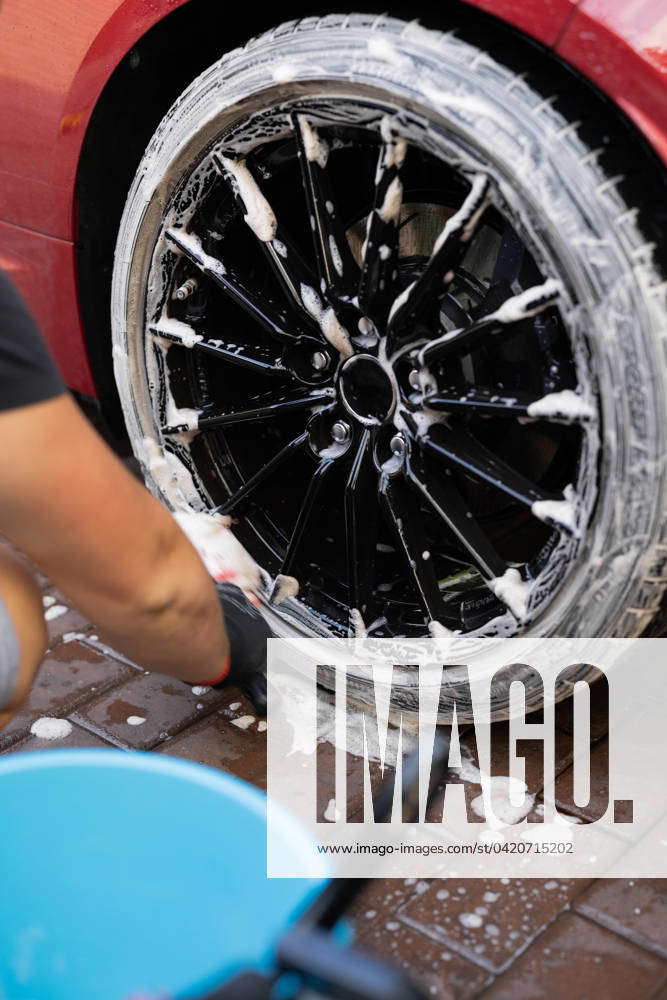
<point x="533" y="764"/>
<point x="635" y="908"/>
<point x="78" y="738"/>
<point x="578" y="960"/>
<point x="441" y="973"/>
<point x="599" y="721"/>
<point x="354" y="768"/>
<point x="70" y="675"/>
<point x="489" y="921"/>
<point x="217" y="742"/>
<point x="563" y="794"/>
<point x="66" y="621"/>
<point x="381" y="899"/>
<point x="165" y="706"/>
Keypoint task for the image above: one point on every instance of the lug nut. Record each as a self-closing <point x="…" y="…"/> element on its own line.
<point x="397" y="445"/>
<point x="340" y="432"/>
<point x="186" y="289"/>
<point x="414" y="380"/>
<point x="319" y="361"/>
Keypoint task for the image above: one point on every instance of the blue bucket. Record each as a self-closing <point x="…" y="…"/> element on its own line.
<point x="126" y="875"/>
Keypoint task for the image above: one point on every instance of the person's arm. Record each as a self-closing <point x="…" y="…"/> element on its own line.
<point x="98" y="534"/>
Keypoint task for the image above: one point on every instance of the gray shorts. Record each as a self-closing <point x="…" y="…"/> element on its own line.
<point x="9" y="656"/>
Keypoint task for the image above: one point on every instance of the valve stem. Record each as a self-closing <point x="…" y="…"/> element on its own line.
<point x="185" y="290"/>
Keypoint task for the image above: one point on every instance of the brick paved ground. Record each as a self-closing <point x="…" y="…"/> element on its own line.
<point x="566" y="939"/>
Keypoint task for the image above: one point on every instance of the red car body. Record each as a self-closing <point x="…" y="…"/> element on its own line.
<point x="57" y="59"/>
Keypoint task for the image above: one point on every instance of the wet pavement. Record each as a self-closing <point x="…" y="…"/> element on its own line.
<point x="495" y="938"/>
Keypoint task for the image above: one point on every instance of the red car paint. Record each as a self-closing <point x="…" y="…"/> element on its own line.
<point x="56" y="58"/>
<point x="622" y="48"/>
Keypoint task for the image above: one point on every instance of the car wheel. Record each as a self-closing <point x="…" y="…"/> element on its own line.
<point x="376" y="298"/>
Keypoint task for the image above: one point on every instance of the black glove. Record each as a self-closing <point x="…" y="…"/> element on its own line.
<point x="247" y="632"/>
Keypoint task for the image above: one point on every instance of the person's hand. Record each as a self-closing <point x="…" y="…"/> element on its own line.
<point x="247" y="632"/>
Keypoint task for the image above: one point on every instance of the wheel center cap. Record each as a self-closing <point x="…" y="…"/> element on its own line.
<point x="367" y="390"/>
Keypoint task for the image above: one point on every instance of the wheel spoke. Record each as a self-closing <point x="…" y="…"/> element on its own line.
<point x="257" y="304"/>
<point x="377" y="287"/>
<point x="267" y="411"/>
<point x="255" y="356"/>
<point x="361" y="525"/>
<point x="486" y="405"/>
<point x="460" y="448"/>
<point x="337" y="266"/>
<point x="405" y="520"/>
<point x="564" y="407"/>
<point x="263" y="475"/>
<point x="306" y="515"/>
<point x="450" y="507"/>
<point x="289" y="267"/>
<point x="515" y="309"/>
<point x="448" y="251"/>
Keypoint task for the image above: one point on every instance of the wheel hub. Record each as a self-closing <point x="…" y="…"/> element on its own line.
<point x="367" y="390"/>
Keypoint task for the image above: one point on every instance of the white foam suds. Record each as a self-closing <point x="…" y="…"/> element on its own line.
<point x="438" y="631"/>
<point x="390" y="209"/>
<point x="357" y="624"/>
<point x="235" y="705"/>
<point x="331" y="813"/>
<point x="395" y="147"/>
<point x="467" y="103"/>
<point x="401" y="299"/>
<point x="176" y="328"/>
<point x="367" y="335"/>
<point x="243" y="721"/>
<point x="190" y="243"/>
<point x="261" y="726"/>
<point x="312" y="301"/>
<point x="168" y="471"/>
<point x="382" y="48"/>
<point x="336" y="334"/>
<point x="335" y="255"/>
<point x="328" y="321"/>
<point x="55" y="611"/>
<point x="222" y="553"/>
<point x="48" y="601"/>
<point x="200" y="689"/>
<point x="280" y="248"/>
<point x="495" y="805"/>
<point x="560" y="831"/>
<point x="512" y="591"/>
<point x="74" y="636"/>
<point x="135" y="720"/>
<point x="467" y="217"/>
<point x="528" y="303"/>
<point x="561" y="513"/>
<point x="283" y="587"/>
<point x="51" y="729"/>
<point x="284" y="72"/>
<point x="470" y="920"/>
<point x="181" y="416"/>
<point x="566" y="406"/>
<point x="259" y="215"/>
<point x="317" y="150"/>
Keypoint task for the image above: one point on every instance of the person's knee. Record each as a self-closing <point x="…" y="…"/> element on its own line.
<point x="22" y="601"/>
